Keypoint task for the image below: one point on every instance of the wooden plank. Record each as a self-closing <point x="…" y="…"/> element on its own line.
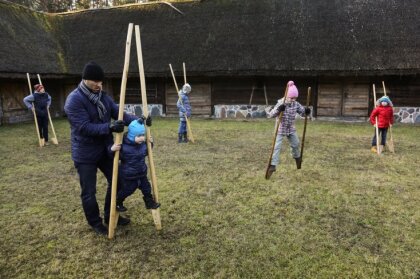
<point x="329" y="100"/>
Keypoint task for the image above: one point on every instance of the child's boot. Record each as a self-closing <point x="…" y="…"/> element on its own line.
<point x="179" y="138"/>
<point x="150" y="202"/>
<point x="120" y="206"/>
<point x="185" y="137"/>
<point x="270" y="171"/>
<point x="298" y="162"/>
<point x="373" y="149"/>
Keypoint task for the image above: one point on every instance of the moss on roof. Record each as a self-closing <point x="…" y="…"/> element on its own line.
<point x="221" y="37"/>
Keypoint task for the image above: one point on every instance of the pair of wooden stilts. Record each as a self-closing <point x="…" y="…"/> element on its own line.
<point x="41" y="141"/>
<point x="118" y="139"/>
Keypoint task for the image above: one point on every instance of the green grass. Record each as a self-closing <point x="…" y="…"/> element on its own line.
<point x="347" y="213"/>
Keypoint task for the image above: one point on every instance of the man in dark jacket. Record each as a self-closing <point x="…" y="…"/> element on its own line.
<point x="89" y="111"/>
<point x="40" y="101"/>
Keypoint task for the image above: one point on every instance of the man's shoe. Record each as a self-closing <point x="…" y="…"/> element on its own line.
<point x="270" y="171"/>
<point x="121" y="221"/>
<point x="100" y="229"/>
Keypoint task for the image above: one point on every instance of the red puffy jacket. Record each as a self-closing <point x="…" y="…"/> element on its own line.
<point x="385" y="116"/>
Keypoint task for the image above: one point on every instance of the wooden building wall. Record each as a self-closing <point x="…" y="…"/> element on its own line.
<point x="200" y="98"/>
<point x="331" y="97"/>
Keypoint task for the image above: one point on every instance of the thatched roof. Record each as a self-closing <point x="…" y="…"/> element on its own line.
<point x="221" y="37"/>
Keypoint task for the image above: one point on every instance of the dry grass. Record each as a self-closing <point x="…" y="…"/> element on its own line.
<point x="347" y="214"/>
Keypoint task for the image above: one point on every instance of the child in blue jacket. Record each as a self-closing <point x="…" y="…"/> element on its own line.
<point x="133" y="168"/>
<point x="184" y="108"/>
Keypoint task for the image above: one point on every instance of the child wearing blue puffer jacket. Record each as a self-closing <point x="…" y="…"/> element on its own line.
<point x="133" y="168"/>
<point x="184" y="107"/>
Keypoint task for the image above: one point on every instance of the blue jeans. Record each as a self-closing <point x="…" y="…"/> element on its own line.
<point x="294" y="146"/>
<point x="382" y="132"/>
<point x="87" y="177"/>
<point x="130" y="186"/>
<point x="182" y="126"/>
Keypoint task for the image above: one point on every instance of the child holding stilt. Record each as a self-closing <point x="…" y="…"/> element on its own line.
<point x="133" y="152"/>
<point x="40" y="101"/>
<point x="385" y="115"/>
<point x="184" y="108"/>
<point x="287" y="126"/>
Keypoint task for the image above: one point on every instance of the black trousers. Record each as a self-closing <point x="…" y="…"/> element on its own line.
<point x="129" y="186"/>
<point x="43" y="126"/>
<point x="87" y="175"/>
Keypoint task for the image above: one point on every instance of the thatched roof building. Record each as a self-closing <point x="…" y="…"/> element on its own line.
<point x="217" y="38"/>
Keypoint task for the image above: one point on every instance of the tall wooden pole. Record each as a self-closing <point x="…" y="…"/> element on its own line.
<point x="40" y="141"/>
<point x="391" y="139"/>
<point x="53" y="139"/>
<point x="378" y="149"/>
<point x="113" y="219"/>
<point x="155" y="212"/>
<point x="304" y="129"/>
<point x="185" y="72"/>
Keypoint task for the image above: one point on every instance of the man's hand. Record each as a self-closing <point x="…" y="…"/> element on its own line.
<point x="117" y="126"/>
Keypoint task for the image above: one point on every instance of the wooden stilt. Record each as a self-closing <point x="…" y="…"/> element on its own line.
<point x="378" y="148"/>
<point x="155" y="212"/>
<point x="113" y="219"/>
<point x="390" y="143"/>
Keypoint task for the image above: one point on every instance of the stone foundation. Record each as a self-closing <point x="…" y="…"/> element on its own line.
<point x="136" y="109"/>
<point x="239" y="111"/>
<point x="407" y="114"/>
<point x="243" y="111"/>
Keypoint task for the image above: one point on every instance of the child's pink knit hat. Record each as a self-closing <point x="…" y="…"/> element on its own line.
<point x="292" y="92"/>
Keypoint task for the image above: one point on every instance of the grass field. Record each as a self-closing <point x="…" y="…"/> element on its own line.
<point x="347" y="213"/>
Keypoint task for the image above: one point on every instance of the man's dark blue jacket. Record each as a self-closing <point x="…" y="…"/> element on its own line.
<point x="90" y="135"/>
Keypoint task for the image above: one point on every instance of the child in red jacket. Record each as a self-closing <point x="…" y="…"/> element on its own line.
<point x="385" y="115"/>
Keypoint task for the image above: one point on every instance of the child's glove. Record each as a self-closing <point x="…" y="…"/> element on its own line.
<point x="147" y="121"/>
<point x="281" y="108"/>
<point x="117" y="126"/>
<point x="116" y="147"/>
<point x="307" y="111"/>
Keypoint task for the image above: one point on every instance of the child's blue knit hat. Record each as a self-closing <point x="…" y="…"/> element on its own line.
<point x="135" y="129"/>
<point x="385" y="99"/>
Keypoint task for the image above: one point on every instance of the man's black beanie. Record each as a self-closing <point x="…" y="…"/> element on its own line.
<point x="93" y="71"/>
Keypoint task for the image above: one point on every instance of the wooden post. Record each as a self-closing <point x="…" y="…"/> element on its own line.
<point x="265" y="95"/>
<point x="53" y="139"/>
<point x="252" y="94"/>
<point x="391" y="139"/>
<point x="40" y="141"/>
<point x="189" y="134"/>
<point x="155" y="212"/>
<point x="378" y="149"/>
<point x="304" y="129"/>
<point x="113" y="219"/>
<point x="279" y="118"/>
